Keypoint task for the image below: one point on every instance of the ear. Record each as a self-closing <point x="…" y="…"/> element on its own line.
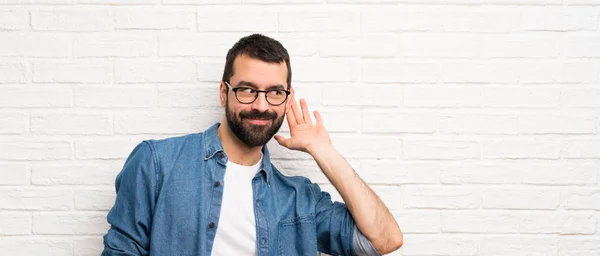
<point x="222" y="93"/>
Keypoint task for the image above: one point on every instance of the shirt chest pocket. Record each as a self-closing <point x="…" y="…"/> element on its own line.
<point x="298" y="236"/>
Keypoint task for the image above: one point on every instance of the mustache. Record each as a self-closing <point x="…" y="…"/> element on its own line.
<point x="258" y="115"/>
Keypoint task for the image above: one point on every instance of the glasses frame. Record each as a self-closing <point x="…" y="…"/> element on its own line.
<point x="287" y="93"/>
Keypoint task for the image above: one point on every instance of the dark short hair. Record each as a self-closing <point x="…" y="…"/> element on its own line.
<point x="260" y="47"/>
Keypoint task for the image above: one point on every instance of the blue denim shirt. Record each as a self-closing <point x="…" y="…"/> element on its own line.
<point x="169" y="196"/>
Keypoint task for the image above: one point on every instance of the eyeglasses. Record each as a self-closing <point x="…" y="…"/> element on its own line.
<point x="247" y="95"/>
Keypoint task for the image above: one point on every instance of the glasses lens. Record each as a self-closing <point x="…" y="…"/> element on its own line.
<point x="245" y="95"/>
<point x="276" y="97"/>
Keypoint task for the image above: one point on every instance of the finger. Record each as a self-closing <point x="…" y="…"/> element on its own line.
<point x="291" y="119"/>
<point x="318" y="117"/>
<point x="305" y="112"/>
<point x="296" y="111"/>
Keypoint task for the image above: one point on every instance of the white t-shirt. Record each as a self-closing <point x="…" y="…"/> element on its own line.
<point x="236" y="233"/>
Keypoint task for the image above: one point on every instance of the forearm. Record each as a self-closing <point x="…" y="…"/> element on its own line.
<point x="371" y="215"/>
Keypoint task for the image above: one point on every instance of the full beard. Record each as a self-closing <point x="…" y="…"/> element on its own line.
<point x="250" y="134"/>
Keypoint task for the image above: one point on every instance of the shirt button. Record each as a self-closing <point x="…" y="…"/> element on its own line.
<point x="263" y="241"/>
<point x="217" y="183"/>
<point x="257" y="203"/>
<point x="211" y="225"/>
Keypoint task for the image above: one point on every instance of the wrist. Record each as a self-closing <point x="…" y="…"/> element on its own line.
<point x="320" y="149"/>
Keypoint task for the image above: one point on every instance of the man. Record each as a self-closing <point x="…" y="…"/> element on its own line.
<point x="217" y="193"/>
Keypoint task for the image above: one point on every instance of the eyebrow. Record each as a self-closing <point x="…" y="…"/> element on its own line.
<point x="251" y="84"/>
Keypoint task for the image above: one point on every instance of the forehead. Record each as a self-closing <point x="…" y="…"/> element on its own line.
<point x="258" y="72"/>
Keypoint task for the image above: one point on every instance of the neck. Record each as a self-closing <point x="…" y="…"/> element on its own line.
<point x="236" y="150"/>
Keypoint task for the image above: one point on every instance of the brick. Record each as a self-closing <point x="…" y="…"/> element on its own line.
<point x="88" y="246"/>
<point x="14" y="224"/>
<point x="479" y="222"/>
<point x="583" y="2"/>
<point x="389" y="195"/>
<point x="481" y="19"/>
<point x="115" y="45"/>
<point x="385" y="71"/>
<point x="582" y="199"/>
<point x="35" y="150"/>
<point x="362" y="95"/>
<point x="13" y="72"/>
<point x="100" y="173"/>
<point x="73" y="71"/>
<point x="119" y="2"/>
<point x="36" y="96"/>
<point x="37" y="246"/>
<point x="518" y="245"/>
<point x="211" y="71"/>
<point x="557" y="124"/>
<point x="73" y="20"/>
<point x="479" y="72"/>
<point x="165" y="123"/>
<point x="136" y="71"/>
<point x="437" y="198"/>
<point x="11" y="20"/>
<point x="298" y="45"/>
<point x="13" y="122"/>
<point x="582" y="98"/>
<point x="319" y="21"/>
<point x="306" y="168"/>
<point x="442" y="96"/>
<point x="196" y="45"/>
<point x="367" y="147"/>
<point x="70" y="224"/>
<point x="570" y="71"/>
<point x="438" y="45"/>
<point x="188" y="96"/>
<point x="340" y="121"/>
<point x="558" y="223"/>
<point x="329" y="70"/>
<point x="479" y="124"/>
<point x="578" y="246"/>
<point x="561" y="18"/>
<point x="521" y="148"/>
<point x="155" y="18"/>
<point x="534" y="199"/>
<point x="441" y="149"/>
<point x="582" y="46"/>
<point x="128" y="96"/>
<point x="422" y="245"/>
<point x="199" y="2"/>
<point x="418" y="222"/>
<point x="234" y="19"/>
<point x="36" y="199"/>
<point x="104" y="148"/>
<point x="397" y="172"/>
<point x="70" y="123"/>
<point x="387" y="122"/>
<point x="34" y="45"/>
<point x="546" y="173"/>
<point x="87" y="199"/>
<point x="43" y="2"/>
<point x="402" y="18"/>
<point x="520" y="97"/>
<point x="526" y="46"/>
<point x="281" y="1"/>
<point x="581" y="148"/>
<point x="359" y="46"/>
<point x="14" y="174"/>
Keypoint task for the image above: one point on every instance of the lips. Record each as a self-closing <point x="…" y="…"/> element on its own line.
<point x="258" y="121"/>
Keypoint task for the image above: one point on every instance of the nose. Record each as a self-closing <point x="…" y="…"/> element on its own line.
<point x="260" y="104"/>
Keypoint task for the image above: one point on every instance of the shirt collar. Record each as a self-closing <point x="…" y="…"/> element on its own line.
<point x="213" y="147"/>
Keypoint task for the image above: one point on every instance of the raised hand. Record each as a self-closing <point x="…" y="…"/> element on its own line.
<point x="305" y="136"/>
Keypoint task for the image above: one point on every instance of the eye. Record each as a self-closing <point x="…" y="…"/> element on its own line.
<point x="277" y="92"/>
<point x="246" y="90"/>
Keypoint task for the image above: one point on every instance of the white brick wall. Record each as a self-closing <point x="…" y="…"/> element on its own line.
<point x="477" y="122"/>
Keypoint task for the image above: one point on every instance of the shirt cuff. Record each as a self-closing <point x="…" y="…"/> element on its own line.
<point x="362" y="245"/>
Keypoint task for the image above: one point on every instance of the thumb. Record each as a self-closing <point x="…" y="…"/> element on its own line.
<point x="281" y="140"/>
